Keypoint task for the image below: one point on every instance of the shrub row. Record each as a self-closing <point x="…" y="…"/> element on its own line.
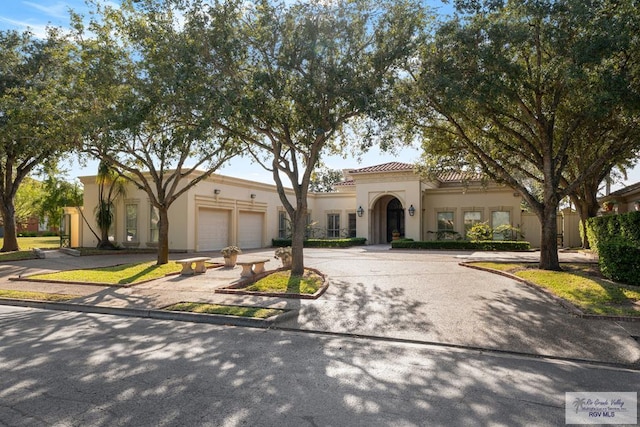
<point x="620" y="261"/>
<point x="616" y="239"/>
<point x="625" y="226"/>
<point x="485" y="245"/>
<point x="323" y="243"/>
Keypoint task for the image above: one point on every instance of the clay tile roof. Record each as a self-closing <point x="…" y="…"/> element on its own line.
<point x="385" y="167"/>
<point x="459" y="177"/>
<point x="348" y="182"/>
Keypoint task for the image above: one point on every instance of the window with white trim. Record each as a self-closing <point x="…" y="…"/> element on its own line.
<point x="131" y="222"/>
<point x="154" y="219"/>
<point x="333" y="225"/>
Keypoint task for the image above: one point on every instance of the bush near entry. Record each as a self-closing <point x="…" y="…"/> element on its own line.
<point x="616" y="239"/>
<point x="620" y="261"/>
<point x="604" y="228"/>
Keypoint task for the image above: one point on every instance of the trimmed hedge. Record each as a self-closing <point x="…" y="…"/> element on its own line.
<point x="323" y="243"/>
<point x="604" y="228"/>
<point x="619" y="260"/>
<point x="484" y="245"/>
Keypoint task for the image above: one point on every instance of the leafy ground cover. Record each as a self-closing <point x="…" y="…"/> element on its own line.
<point x="283" y="282"/>
<point x="123" y="274"/>
<point x="227" y="310"/>
<point x="580" y="284"/>
<point x="38" y="296"/>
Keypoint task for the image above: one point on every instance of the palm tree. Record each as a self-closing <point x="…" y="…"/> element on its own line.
<point x="111" y="185"/>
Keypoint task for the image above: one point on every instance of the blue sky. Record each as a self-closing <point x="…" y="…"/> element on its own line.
<point x="37" y="14"/>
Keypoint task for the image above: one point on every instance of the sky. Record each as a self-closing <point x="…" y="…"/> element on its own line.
<point x="37" y="14"/>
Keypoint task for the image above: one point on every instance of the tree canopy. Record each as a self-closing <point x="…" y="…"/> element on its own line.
<point x="307" y="71"/>
<point x="155" y="100"/>
<point x="526" y="92"/>
<point x="38" y="111"/>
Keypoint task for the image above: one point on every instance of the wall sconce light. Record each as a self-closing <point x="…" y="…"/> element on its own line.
<point x="253" y="196"/>
<point x="216" y="191"/>
<point x="360" y="211"/>
<point x="412" y="210"/>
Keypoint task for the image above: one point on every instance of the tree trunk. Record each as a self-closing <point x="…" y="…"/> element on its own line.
<point x="297" y="241"/>
<point x="549" y="239"/>
<point x="587" y="207"/>
<point x="10" y="242"/>
<point x="163" y="236"/>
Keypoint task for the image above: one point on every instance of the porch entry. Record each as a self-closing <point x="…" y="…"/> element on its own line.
<point x="395" y="218"/>
<point x="387" y="215"/>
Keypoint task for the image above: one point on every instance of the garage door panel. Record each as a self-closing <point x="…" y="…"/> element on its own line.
<point x="213" y="229"/>
<point x="250" y="226"/>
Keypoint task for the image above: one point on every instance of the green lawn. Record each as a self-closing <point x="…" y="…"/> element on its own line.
<point x="581" y="284"/>
<point x="117" y="275"/>
<point x="229" y="310"/>
<point x="283" y="282"/>
<point x="26" y="244"/>
<point x="39" y="296"/>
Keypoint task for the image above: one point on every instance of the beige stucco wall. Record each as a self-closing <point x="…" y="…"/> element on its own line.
<point x="373" y="192"/>
<point x="459" y="199"/>
<point x="323" y="204"/>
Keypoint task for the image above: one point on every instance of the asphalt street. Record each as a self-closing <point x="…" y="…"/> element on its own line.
<point x="78" y="369"/>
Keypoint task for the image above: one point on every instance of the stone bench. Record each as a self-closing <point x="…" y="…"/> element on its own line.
<point x="252" y="266"/>
<point x="198" y="261"/>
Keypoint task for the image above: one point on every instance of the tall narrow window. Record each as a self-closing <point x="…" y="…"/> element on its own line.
<point x="499" y="218"/>
<point x="131" y="223"/>
<point x="352" y="225"/>
<point x="445" y="221"/>
<point x="333" y="225"/>
<point x="471" y="218"/>
<point x="154" y="232"/>
<point x="445" y="225"/>
<point x="284" y="227"/>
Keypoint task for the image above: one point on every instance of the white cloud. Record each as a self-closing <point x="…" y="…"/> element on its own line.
<point x="38" y="30"/>
<point x="58" y="10"/>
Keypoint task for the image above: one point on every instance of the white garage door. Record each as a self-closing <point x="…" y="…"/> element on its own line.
<point x="213" y="229"/>
<point x="250" y="230"/>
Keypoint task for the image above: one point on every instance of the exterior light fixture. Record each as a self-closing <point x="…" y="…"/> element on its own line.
<point x="412" y="210"/>
<point x="253" y="195"/>
<point x="360" y="211"/>
<point x="216" y="191"/>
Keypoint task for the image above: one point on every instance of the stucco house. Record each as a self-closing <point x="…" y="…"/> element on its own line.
<point x="626" y="199"/>
<point x="371" y="202"/>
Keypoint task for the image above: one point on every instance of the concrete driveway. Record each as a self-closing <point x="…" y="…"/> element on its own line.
<point x="421" y="296"/>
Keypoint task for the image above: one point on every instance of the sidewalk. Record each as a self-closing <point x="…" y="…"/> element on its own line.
<point x="406" y="295"/>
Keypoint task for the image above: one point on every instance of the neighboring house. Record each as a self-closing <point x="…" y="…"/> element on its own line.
<point x="371" y="202"/>
<point x="32" y="225"/>
<point x="626" y="199"/>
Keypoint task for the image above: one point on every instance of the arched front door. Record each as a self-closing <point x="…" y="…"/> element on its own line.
<point x="395" y="218"/>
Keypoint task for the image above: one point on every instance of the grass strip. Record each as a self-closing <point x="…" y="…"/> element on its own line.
<point x="16" y="256"/>
<point x="38" y="296"/>
<point x="580" y="285"/>
<point x="283" y="282"/>
<point x="123" y="274"/>
<point x="227" y="310"/>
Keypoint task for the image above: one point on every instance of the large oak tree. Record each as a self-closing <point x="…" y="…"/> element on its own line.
<point x="38" y="112"/>
<point x="310" y="69"/>
<point x="528" y="91"/>
<point x="155" y="102"/>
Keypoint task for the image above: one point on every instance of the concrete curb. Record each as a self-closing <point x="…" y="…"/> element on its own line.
<point x="573" y="309"/>
<point x="215" y="319"/>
